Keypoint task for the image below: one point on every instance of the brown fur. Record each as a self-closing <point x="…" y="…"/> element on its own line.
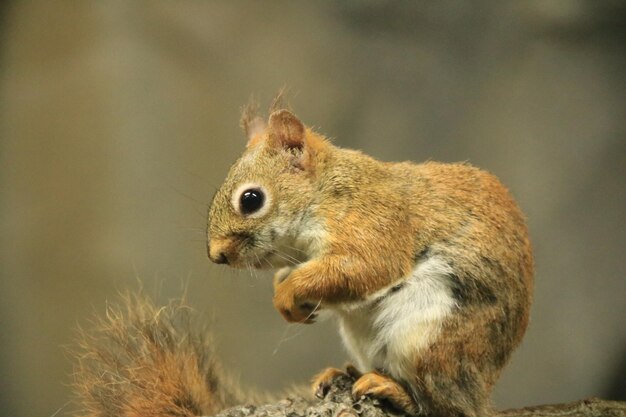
<point x="367" y="224"/>
<point x="139" y="360"/>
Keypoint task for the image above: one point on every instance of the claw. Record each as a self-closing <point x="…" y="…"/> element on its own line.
<point x="323" y="381"/>
<point x="308" y="309"/>
<point x="321" y="391"/>
<point x="353" y="372"/>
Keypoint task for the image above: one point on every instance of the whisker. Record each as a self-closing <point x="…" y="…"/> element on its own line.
<point x="252" y="272"/>
<point x="285" y="257"/>
<point x="285" y="338"/>
<point x="317" y="306"/>
<point x="60" y="409"/>
<point x="269" y="263"/>
<point x="293" y="258"/>
<point x="252" y="269"/>
<point x="296" y="249"/>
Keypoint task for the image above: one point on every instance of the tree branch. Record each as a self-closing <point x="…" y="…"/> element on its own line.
<point x="339" y="402"/>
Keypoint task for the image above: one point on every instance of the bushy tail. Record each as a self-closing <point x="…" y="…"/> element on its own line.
<point x="139" y="360"/>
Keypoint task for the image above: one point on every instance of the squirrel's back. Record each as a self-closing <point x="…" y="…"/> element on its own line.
<point x="454" y="271"/>
<point x="399" y="210"/>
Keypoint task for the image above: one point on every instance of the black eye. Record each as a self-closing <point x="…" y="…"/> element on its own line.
<point x="251" y="201"/>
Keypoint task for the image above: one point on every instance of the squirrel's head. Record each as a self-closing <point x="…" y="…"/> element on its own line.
<point x="257" y="212"/>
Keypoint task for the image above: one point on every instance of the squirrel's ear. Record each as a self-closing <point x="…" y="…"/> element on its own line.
<point x="286" y="130"/>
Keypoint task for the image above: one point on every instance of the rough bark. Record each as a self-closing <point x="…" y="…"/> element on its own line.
<point x="339" y="403"/>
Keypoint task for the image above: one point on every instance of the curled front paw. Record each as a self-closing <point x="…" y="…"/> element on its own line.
<point x="322" y="382"/>
<point x="292" y="309"/>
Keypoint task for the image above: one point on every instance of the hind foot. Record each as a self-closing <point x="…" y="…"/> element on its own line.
<point x="382" y="387"/>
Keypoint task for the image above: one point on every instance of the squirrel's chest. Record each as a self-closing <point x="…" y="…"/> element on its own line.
<point x="389" y="329"/>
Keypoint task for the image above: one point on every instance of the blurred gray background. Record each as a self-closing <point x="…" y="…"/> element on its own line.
<point x="119" y="119"/>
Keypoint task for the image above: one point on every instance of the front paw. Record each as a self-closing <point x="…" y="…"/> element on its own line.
<point x="322" y="382"/>
<point x="292" y="309"/>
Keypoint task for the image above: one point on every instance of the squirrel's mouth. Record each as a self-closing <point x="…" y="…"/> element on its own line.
<point x="262" y="262"/>
<point x="255" y="254"/>
<point x="267" y="258"/>
<point x="256" y="258"/>
<point x="271" y="259"/>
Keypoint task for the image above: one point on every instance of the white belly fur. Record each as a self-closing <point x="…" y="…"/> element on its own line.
<point x="389" y="332"/>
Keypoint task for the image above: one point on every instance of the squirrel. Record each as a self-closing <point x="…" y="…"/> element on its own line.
<point x="427" y="267"/>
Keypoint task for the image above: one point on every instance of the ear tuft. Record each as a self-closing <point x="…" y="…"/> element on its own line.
<point x="252" y="124"/>
<point x="286" y="130"/>
<point x="279" y="101"/>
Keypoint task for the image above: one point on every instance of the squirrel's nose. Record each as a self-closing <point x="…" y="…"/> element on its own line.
<point x="216" y="254"/>
<point x="221" y="259"/>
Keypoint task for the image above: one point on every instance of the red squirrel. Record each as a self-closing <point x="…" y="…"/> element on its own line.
<point x="427" y="267"/>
